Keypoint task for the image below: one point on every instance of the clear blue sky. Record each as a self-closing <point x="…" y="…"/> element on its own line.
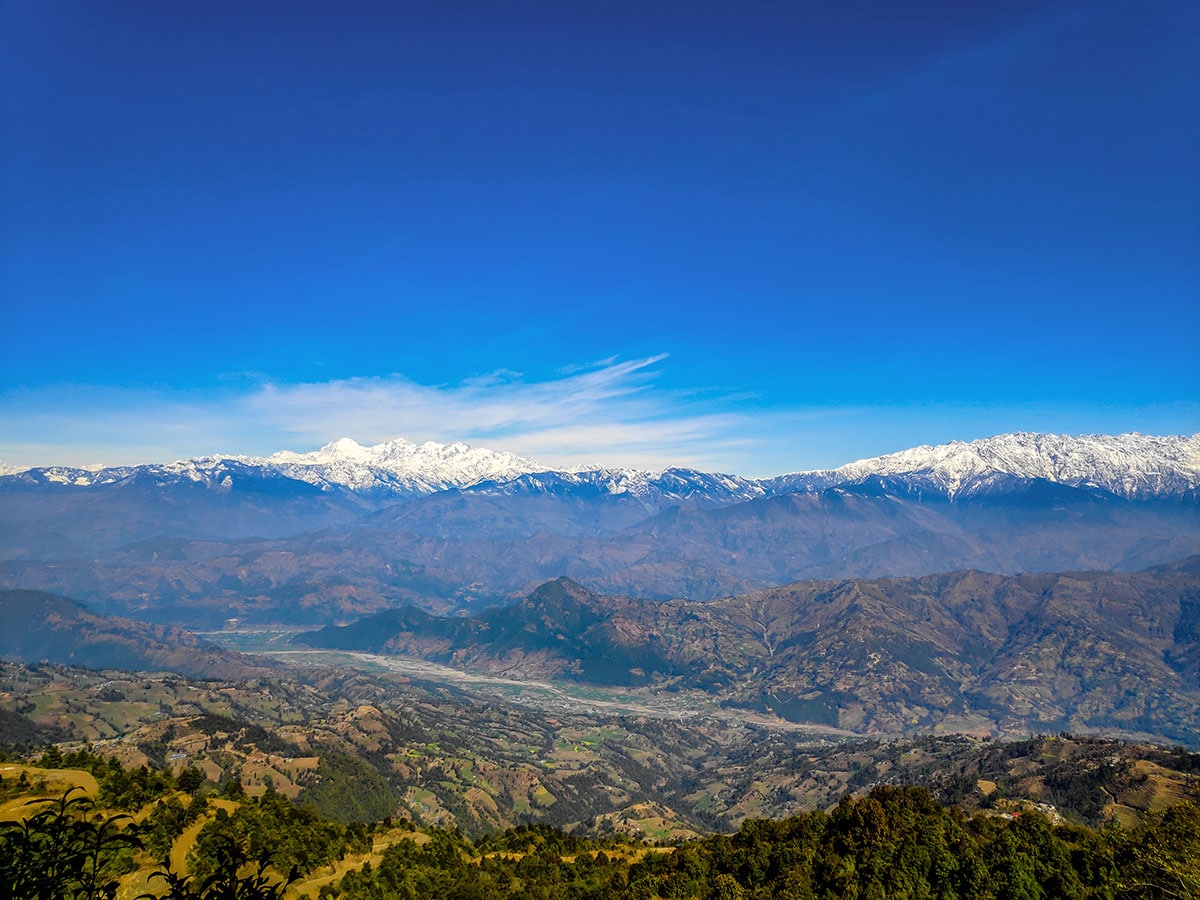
<point x="757" y="237"/>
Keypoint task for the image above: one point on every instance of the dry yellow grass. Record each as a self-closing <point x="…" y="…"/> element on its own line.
<point x="312" y="885"/>
<point x="1162" y="788"/>
<point x="184" y="843"/>
<point x="1125" y="816"/>
<point x="49" y="784"/>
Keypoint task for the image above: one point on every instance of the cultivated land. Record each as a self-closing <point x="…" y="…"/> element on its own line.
<point x="196" y="760"/>
<point x="355" y="742"/>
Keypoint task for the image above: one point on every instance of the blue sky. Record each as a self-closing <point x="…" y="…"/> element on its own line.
<point x="753" y="237"/>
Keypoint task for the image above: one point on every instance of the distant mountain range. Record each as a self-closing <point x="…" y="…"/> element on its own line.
<point x="818" y="595"/>
<point x="348" y="530"/>
<point x="1131" y="466"/>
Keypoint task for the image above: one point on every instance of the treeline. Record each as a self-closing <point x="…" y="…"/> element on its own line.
<point x="895" y="842"/>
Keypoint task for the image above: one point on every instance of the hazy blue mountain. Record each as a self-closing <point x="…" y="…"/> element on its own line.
<point x="317" y="538"/>
<point x="40" y="627"/>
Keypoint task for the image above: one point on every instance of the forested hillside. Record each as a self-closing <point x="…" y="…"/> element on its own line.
<point x="119" y="832"/>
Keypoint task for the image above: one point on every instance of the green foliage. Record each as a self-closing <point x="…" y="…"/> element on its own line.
<point x="531" y="839"/>
<point x="894" y="843"/>
<point x="227" y="880"/>
<point x="232" y="789"/>
<point x="1161" y="856"/>
<point x="67" y="852"/>
<point x="272" y="829"/>
<point x="120" y="788"/>
<point x="63" y="852"/>
<point x="349" y="790"/>
<point x="133" y="788"/>
<point x="167" y="822"/>
<point x="190" y="780"/>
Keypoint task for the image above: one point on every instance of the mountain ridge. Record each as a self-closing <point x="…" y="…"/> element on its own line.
<point x="459" y="551"/>
<point x="198" y="544"/>
<point x="964" y="650"/>
<point x="1132" y="466"/>
<point x="44" y="627"/>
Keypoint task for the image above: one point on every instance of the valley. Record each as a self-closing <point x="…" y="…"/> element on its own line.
<point x="549" y="695"/>
<point x="638" y="658"/>
<point x="963" y="651"/>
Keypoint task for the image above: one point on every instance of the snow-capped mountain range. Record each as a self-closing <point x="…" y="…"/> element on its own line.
<point x="1132" y="466"/>
<point x="347" y="530"/>
<point x="398" y="466"/>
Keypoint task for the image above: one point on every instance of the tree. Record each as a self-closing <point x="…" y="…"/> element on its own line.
<point x="1161" y="857"/>
<point x="190" y="780"/>
<point x="63" y="853"/>
<point x="226" y="882"/>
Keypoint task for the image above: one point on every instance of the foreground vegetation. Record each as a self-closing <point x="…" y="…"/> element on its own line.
<point x="895" y="842"/>
<point x="123" y="833"/>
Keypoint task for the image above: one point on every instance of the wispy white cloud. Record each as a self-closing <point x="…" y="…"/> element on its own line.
<point x="611" y="411"/>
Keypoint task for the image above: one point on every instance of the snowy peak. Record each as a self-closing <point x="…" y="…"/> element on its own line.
<point x="398" y="466"/>
<point x="404" y="468"/>
<point x="1132" y="466"/>
<point x="653" y="490"/>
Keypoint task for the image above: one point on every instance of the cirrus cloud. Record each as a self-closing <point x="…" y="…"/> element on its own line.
<point x="611" y="411"/>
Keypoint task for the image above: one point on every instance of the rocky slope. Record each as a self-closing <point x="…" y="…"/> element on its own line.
<point x="959" y="651"/>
